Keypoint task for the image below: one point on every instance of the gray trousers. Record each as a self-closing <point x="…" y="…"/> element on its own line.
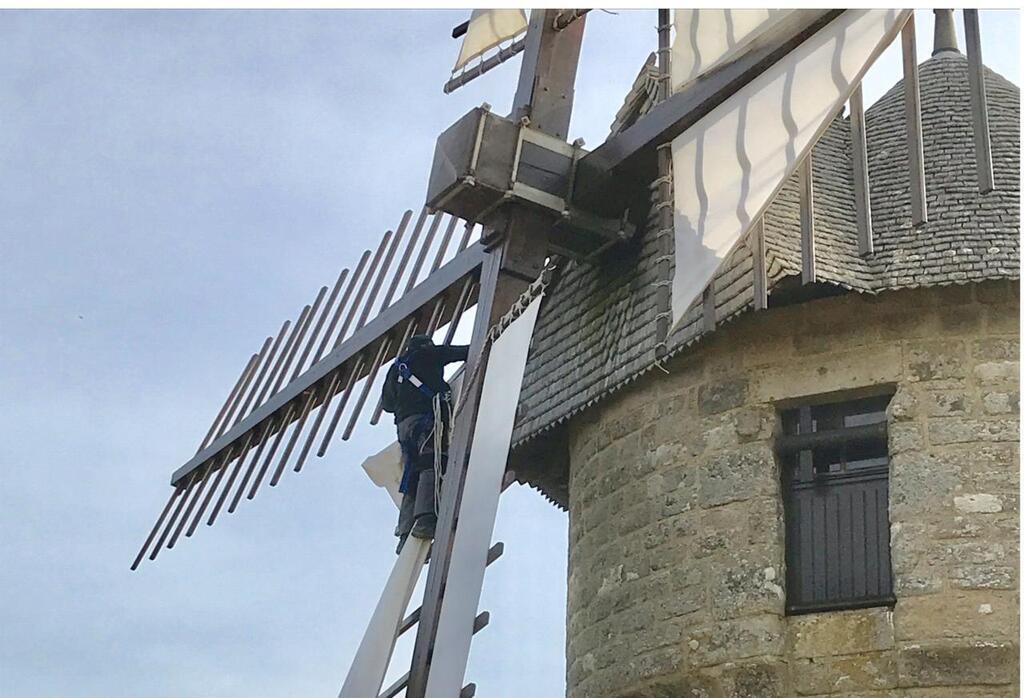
<point x="416" y="438"/>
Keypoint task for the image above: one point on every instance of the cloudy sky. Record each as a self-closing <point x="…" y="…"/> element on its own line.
<point x="172" y="186"/>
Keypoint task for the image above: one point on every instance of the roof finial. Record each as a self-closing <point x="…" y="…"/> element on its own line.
<point x="945" y="32"/>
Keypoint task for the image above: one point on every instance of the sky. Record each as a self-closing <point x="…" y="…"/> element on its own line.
<point x="173" y="185"/>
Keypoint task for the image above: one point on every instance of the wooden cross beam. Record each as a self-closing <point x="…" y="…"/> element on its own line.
<point x="518" y="247"/>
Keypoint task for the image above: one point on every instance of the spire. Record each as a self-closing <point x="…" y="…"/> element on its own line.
<point x="945" y="32"/>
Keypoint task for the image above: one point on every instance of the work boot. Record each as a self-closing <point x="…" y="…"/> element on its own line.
<point x="424" y="527"/>
<point x="401" y="543"/>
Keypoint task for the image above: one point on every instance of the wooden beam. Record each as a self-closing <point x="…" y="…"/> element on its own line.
<point x="808" y="273"/>
<point x="979" y="103"/>
<point x="547" y="77"/>
<point x="666" y="224"/>
<point x="475" y="71"/>
<point x="707" y="311"/>
<point x="915" y="142"/>
<point x="760" y="271"/>
<point x="545" y="96"/>
<point x="861" y="180"/>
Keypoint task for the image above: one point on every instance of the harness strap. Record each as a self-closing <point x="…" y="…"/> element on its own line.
<point x="405" y="374"/>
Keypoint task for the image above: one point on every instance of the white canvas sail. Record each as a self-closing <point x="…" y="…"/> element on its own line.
<point x="487" y="29"/>
<point x="729" y="165"/>
<point x="708" y="38"/>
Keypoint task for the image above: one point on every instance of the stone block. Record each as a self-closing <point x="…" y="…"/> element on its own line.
<point x="979" y="503"/>
<point x="760" y="678"/>
<point x="962" y="692"/>
<point x="996" y="349"/>
<point x="737" y="475"/>
<point x="957" y="614"/>
<point x="841" y="632"/>
<point x="997" y="403"/>
<point x="931" y="361"/>
<point x="952" y="430"/>
<point x="984" y="577"/>
<point x="906" y="324"/>
<point x="754" y="423"/>
<point x="743" y="582"/>
<point x="958" y="664"/>
<point x="678" y="685"/>
<point x="904" y="405"/>
<point x="732" y="640"/>
<point x="719" y="396"/>
<point x="958" y="320"/>
<point x="826" y="373"/>
<point x="905" y="436"/>
<point x="997" y="372"/>
<point x="968" y="456"/>
<point x="755" y="523"/>
<point x="920" y="484"/>
<point x="869" y="671"/>
<point x="720" y="434"/>
<point x="945" y="403"/>
<point x="970" y="552"/>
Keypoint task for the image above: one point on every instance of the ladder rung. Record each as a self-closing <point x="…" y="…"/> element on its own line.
<point x="481" y="621"/>
<point x="468" y="691"/>
<point x="410" y="620"/>
<point x="396" y="688"/>
<point x="496" y="551"/>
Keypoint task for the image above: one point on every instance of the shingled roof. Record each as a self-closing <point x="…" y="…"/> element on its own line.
<point x="596" y="330"/>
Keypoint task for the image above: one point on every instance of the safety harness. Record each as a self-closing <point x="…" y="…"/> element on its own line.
<point x="406" y="374"/>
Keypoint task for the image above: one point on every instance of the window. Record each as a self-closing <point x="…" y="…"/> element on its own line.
<point x="835" y="465"/>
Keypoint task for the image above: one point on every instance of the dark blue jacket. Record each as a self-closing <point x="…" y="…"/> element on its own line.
<point x="403" y="399"/>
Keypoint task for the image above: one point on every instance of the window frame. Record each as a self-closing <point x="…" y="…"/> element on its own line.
<point x="826" y="509"/>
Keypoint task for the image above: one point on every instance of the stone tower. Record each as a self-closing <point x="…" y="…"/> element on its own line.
<point x="821" y="496"/>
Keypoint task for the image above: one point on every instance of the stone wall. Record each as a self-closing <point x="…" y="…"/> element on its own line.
<point x="676" y="556"/>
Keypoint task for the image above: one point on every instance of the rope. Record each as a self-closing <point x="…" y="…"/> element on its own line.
<point x="532" y="292"/>
<point x="439" y="435"/>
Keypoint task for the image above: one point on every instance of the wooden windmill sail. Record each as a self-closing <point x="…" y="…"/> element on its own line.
<point x="537" y="198"/>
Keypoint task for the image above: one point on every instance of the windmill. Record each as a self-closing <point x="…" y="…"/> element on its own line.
<point x="542" y="202"/>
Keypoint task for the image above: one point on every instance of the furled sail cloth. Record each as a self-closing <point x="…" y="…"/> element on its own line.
<point x="487" y="29"/>
<point x="729" y="165"/>
<point x="708" y="38"/>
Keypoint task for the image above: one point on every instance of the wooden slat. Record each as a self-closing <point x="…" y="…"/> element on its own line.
<point x="979" y="103"/>
<point x="915" y="142"/>
<point x="760" y="270"/>
<point x="861" y="180"/>
<point x="707" y="312"/>
<point x="808" y="272"/>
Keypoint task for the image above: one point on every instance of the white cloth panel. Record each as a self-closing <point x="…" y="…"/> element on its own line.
<point x="385" y="470"/>
<point x="492" y="438"/>
<point x="709" y="37"/>
<point x="370" y="664"/>
<point x="487" y="29"/>
<point x="729" y="165"/>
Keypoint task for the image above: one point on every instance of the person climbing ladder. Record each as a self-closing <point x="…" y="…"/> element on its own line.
<point x="416" y="393"/>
